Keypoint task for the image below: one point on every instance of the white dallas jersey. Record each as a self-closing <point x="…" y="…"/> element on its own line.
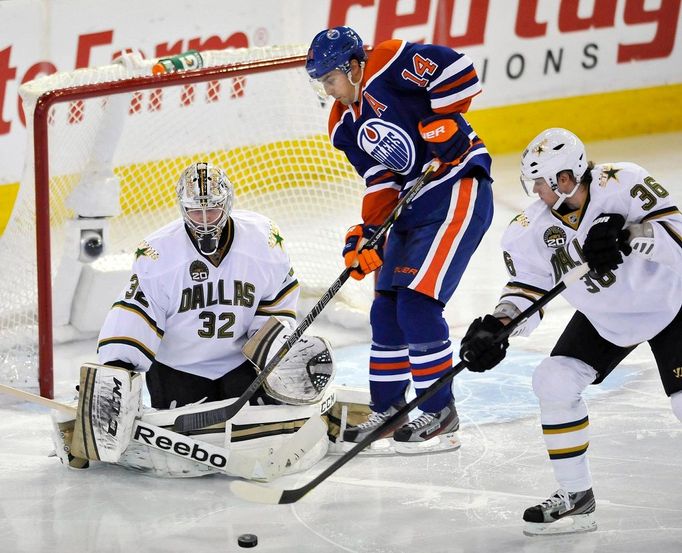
<point x="191" y="315"/>
<point x="626" y="306"/>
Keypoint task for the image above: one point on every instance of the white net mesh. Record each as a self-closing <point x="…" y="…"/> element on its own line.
<point x="267" y="130"/>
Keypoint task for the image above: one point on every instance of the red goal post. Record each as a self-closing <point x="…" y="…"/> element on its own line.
<point x="108" y="145"/>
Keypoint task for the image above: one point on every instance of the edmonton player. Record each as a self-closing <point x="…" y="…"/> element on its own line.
<point x="595" y="215"/>
<point x="395" y="110"/>
<point x="200" y="287"/>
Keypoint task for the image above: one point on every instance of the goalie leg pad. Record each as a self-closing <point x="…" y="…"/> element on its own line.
<point x="294" y="454"/>
<point x="108" y="402"/>
<point x="259" y="443"/>
<point x="143" y="458"/>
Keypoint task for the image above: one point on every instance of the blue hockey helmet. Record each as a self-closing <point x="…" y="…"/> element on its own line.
<point x="333" y="49"/>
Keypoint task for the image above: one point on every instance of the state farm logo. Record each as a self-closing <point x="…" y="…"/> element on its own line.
<point x="388" y="144"/>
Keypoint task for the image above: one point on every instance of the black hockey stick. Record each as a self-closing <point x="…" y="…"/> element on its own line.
<point x="274" y="495"/>
<point x="194" y="421"/>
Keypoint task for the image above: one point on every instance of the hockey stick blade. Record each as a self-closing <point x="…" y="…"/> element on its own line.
<point x="275" y="495"/>
<point x="194" y="421"/>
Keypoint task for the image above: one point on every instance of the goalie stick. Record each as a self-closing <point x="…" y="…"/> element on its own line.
<point x="194" y="421"/>
<point x="39" y="400"/>
<point x="274" y="495"/>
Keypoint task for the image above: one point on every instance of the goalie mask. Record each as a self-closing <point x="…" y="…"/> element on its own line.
<point x="205" y="195"/>
<point x="548" y="154"/>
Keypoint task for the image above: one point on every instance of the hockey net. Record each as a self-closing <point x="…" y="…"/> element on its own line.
<point x="106" y="147"/>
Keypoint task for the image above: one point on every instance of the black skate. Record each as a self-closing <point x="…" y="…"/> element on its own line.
<point x="563" y="513"/>
<point x="430" y="432"/>
<point x="356" y="434"/>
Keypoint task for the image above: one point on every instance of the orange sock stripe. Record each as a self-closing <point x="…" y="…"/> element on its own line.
<point x="432" y="370"/>
<point x="389" y="366"/>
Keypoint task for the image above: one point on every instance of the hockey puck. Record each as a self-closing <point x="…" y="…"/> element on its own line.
<point x="247" y="540"/>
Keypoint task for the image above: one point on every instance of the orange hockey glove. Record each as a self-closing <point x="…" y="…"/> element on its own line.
<point x="365" y="261"/>
<point x="446" y="140"/>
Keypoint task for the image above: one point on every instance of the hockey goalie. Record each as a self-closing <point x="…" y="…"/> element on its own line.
<point x="203" y="288"/>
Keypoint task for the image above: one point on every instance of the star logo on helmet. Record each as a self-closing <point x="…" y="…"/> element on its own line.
<point x="540" y="148"/>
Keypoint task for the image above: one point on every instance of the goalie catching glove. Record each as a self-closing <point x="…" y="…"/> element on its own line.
<point x="302" y="375"/>
<point x="362" y="262"/>
<point x="447" y="141"/>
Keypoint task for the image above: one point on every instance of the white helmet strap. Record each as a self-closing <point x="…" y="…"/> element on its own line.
<point x="564" y="196"/>
<point x="356" y="85"/>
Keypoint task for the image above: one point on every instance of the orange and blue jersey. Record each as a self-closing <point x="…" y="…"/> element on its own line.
<point x="403" y="83"/>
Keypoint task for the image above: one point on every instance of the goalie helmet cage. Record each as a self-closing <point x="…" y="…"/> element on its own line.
<point x="108" y="145"/>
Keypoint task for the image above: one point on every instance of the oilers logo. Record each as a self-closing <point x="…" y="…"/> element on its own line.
<point x="388" y="144"/>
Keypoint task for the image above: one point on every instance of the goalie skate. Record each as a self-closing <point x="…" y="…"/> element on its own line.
<point x="563" y="513"/>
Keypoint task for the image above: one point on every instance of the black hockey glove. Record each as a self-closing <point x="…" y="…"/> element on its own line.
<point x="604" y="243"/>
<point x="479" y="350"/>
<point x="446" y="140"/>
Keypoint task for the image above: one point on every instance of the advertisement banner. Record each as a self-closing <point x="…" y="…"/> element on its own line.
<point x="524" y="50"/>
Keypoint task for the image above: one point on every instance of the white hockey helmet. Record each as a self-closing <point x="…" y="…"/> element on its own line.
<point x="205" y="196"/>
<point x="548" y="154"/>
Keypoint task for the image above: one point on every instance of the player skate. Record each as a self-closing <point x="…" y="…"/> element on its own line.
<point x="430" y="432"/>
<point x="359" y="432"/>
<point x="563" y="513"/>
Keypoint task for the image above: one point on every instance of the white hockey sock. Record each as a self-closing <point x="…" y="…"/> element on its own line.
<point x="566" y="433"/>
